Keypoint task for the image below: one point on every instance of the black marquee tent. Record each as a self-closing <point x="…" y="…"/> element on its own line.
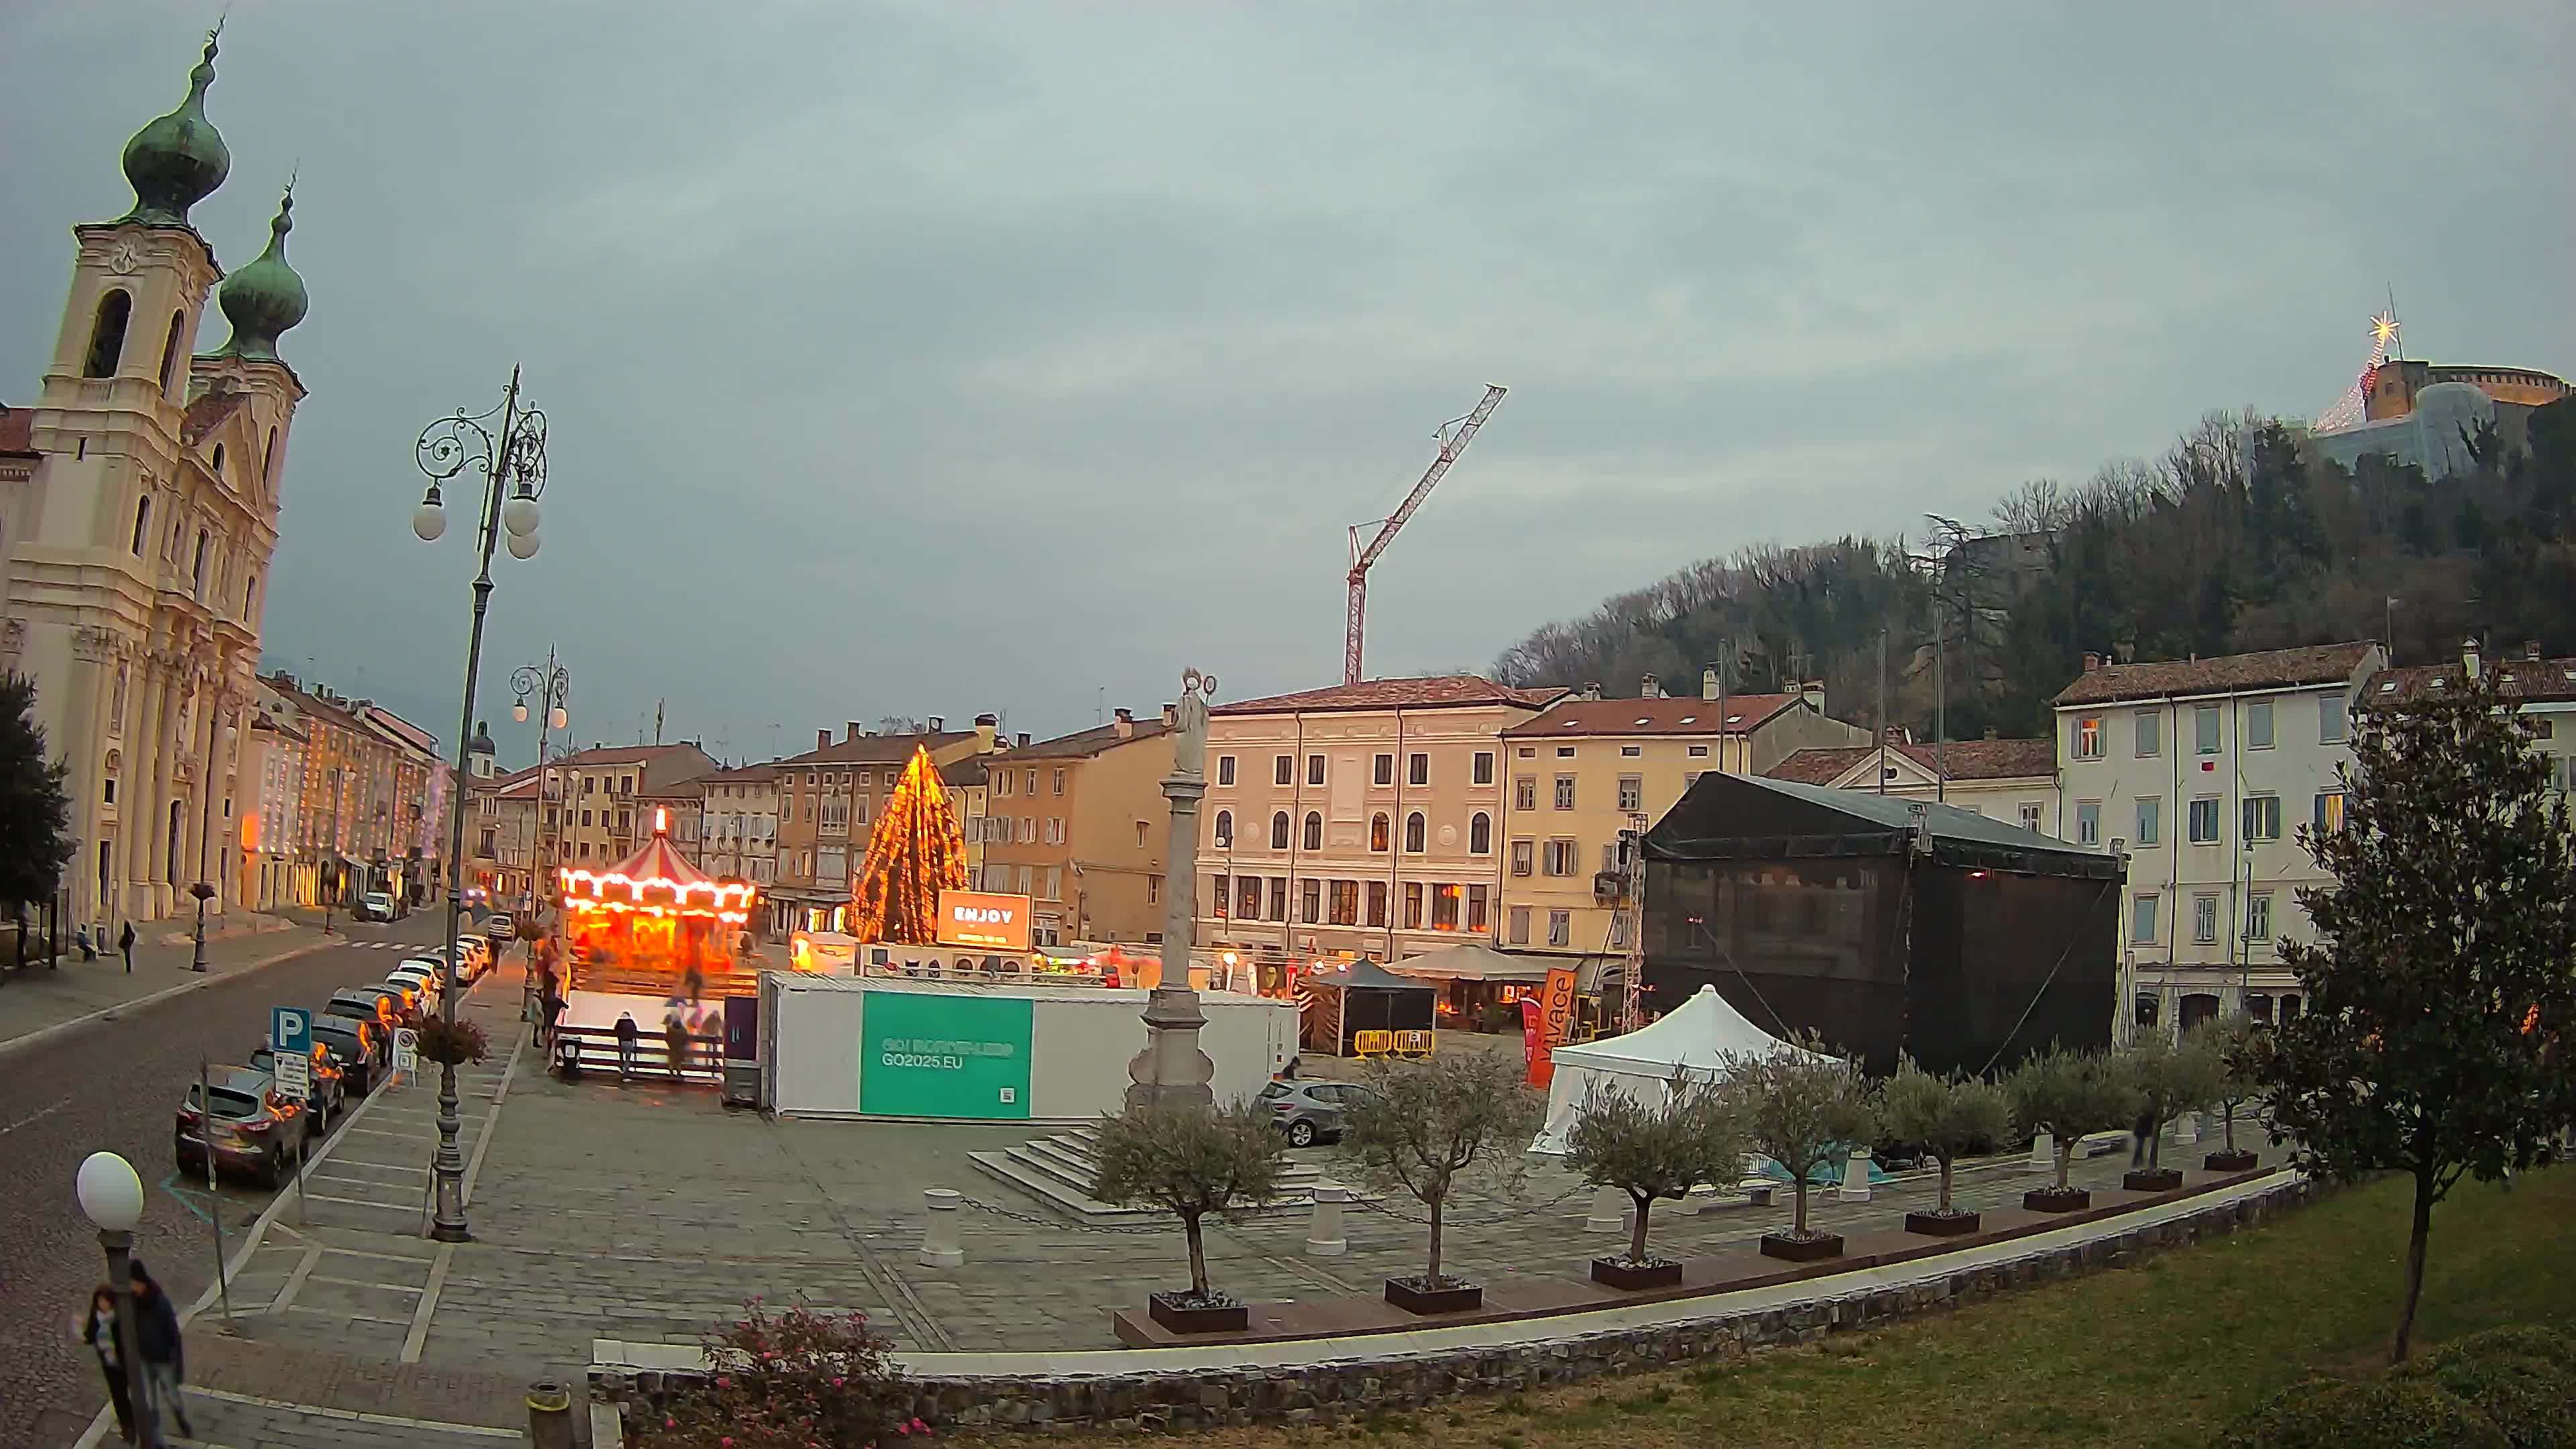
<point x="1361" y="996"/>
<point x="1884" y="924"/>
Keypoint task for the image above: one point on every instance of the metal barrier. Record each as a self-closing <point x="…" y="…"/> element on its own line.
<point x="1391" y="1043"/>
<point x="585" y="1049"/>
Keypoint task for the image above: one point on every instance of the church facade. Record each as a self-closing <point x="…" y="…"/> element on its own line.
<point x="137" y="527"/>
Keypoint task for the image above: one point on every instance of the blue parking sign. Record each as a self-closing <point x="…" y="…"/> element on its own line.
<point x="290" y="1030"/>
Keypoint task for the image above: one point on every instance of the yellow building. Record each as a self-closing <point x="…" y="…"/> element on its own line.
<point x="1589" y="769"/>
<point x="598" y="823"/>
<point x="1080" y="827"/>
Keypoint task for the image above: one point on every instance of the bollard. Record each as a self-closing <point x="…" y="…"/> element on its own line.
<point x="1324" y="1229"/>
<point x="1609" y="1211"/>
<point x="549" y="1415"/>
<point x="1856" y="1176"/>
<point x="940" y="1245"/>
<point x="2043" y="1154"/>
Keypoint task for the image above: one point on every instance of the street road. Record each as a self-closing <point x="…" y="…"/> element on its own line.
<point x="117" y="1085"/>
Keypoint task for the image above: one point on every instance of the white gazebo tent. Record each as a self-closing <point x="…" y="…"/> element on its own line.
<point x="1697" y="1038"/>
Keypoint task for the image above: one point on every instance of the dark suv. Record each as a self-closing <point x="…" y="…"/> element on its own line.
<point x="330" y="1084"/>
<point x="358" y="1049"/>
<point x="253" y="1127"/>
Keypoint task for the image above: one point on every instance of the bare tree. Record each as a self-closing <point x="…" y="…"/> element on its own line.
<point x="1422" y="1124"/>
<point x="1191" y="1163"/>
<point x="1662" y="1150"/>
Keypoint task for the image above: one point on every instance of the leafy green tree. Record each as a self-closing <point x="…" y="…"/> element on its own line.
<point x="35" y="814"/>
<point x="2171" y="1078"/>
<point x="1947" y="1116"/>
<point x="1192" y="1163"/>
<point x="1422" y="1125"/>
<point x="2070" y="1094"/>
<point x="1655" y="1151"/>
<point x="1799" y="1107"/>
<point x="2242" y="1046"/>
<point x="2438" y="986"/>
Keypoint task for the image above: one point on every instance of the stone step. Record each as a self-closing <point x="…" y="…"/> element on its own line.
<point x="1062" y="1177"/>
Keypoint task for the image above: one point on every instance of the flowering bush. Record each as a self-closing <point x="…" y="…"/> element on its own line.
<point x="452" y="1044"/>
<point x="791" y="1380"/>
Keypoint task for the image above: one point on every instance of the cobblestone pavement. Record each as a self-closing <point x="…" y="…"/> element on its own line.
<point x="114" y="1084"/>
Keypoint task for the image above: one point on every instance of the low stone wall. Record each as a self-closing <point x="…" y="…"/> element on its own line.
<point x="1346" y="1388"/>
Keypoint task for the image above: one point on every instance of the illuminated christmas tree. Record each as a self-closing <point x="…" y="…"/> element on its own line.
<point x="916" y="852"/>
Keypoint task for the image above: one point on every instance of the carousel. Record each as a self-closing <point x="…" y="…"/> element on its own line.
<point x="653" y="925"/>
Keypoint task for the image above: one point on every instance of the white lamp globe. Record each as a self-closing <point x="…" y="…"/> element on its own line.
<point x="523" y="545"/>
<point x="560" y="719"/>
<point x="519" y="712"/>
<point x="519" y="515"/>
<point x="111" y="1196"/>
<point x="429" y="521"/>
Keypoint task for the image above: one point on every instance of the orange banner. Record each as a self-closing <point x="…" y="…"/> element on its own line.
<point x="1556" y="1006"/>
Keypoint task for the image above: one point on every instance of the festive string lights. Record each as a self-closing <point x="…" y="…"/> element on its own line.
<point x="2348" y="410"/>
<point x="916" y="852"/>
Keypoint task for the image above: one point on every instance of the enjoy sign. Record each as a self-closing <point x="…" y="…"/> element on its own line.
<point x="974" y="918"/>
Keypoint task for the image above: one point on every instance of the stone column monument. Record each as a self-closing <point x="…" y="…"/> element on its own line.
<point x="1171" y="1070"/>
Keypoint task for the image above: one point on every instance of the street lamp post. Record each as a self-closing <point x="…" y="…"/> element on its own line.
<point x="205" y="823"/>
<point x="111" y="1197"/>
<point x="551" y="687"/>
<point x="512" y="464"/>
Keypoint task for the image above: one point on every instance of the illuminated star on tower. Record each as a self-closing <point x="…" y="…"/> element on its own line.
<point x="2383" y="333"/>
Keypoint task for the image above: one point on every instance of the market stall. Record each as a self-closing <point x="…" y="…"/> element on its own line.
<point x="1358" y="1009"/>
<point x="1479" y="988"/>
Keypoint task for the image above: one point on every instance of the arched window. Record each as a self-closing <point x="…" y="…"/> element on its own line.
<point x="218" y="469"/>
<point x="107" y="334"/>
<point x="250" y="607"/>
<point x="142" y="517"/>
<point x="1480" y="834"/>
<point x="268" y="460"/>
<point x="1378" y="831"/>
<point x="1314" y="830"/>
<point x="197" y="570"/>
<point x="170" y="353"/>
<point x="1279" y="831"/>
<point x="172" y="854"/>
<point x="1413" y="833"/>
<point x="1224" y="828"/>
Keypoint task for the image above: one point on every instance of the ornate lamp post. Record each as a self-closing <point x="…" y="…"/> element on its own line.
<point x="512" y="464"/>
<point x="551" y="687"/>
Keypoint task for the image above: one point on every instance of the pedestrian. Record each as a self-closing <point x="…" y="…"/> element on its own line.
<point x="2143" y="1135"/>
<point x="165" y="1362"/>
<point x="98" y="1328"/>
<point x="88" y="948"/>
<point x="626" y="1035"/>
<point x="125" y="943"/>
<point x="675" y="1043"/>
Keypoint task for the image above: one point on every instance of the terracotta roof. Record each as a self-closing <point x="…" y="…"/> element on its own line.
<point x="744" y="775"/>
<point x="875" y="749"/>
<point x="1436" y="691"/>
<point x="207" y="413"/>
<point x="1967" y="760"/>
<point x="1083" y="744"/>
<point x="2223" y="674"/>
<point x="2540" y="679"/>
<point x="17" y="430"/>
<point x="1691" y="716"/>
<point x="968" y="771"/>
<point x="620" y="754"/>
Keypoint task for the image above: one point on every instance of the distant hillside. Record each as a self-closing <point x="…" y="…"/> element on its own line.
<point x="2236" y="539"/>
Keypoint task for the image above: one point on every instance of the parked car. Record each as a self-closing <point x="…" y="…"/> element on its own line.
<point x="330" y="1085"/>
<point x="1310" y="1112"/>
<point x="358" y="1048"/>
<point x="252" y="1126"/>
<point x="380" y="1006"/>
<point x="375" y="906"/>
<point x="500" y="926"/>
<point x="421" y="979"/>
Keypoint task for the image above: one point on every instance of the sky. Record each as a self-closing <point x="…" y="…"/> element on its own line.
<point x="930" y="359"/>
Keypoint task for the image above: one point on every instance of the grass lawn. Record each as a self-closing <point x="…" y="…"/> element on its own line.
<point x="2165" y="1353"/>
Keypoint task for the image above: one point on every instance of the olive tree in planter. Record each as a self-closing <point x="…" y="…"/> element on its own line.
<point x="2241" y="1046"/>
<point x="2170" y="1078"/>
<point x="1651" y="1151"/>
<point x="1420" y="1126"/>
<point x="1192" y="1162"/>
<point x="2068" y="1094"/>
<point x="1798" y="1104"/>
<point x="1947" y="1116"/>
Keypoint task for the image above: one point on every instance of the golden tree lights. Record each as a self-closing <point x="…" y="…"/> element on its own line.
<point x="916" y="852"/>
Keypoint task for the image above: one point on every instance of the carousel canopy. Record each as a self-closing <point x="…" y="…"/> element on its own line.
<point x="659" y="880"/>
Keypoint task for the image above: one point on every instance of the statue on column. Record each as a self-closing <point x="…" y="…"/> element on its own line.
<point x="1172" y="1070"/>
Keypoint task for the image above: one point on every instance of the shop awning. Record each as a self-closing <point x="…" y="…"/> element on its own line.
<point x="1471" y="963"/>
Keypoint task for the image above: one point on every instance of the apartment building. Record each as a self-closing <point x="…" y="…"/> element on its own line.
<point x="501" y="837"/>
<point x="600" y="824"/>
<point x="272" y="766"/>
<point x="1366" y="818"/>
<point x="2202" y="770"/>
<point x="1079" y="825"/>
<point x="2008" y="780"/>
<point x="970" y="787"/>
<point x="740" y="826"/>
<point x="829" y="799"/>
<point x="371" y="807"/>
<point x="1588" y="769"/>
<point x="2543" y="689"/>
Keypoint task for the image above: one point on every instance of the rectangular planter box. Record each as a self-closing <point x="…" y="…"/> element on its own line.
<point x="2238" y="1161"/>
<point x="2152" y="1179"/>
<point x="1612" y="1273"/>
<point x="1193" y="1318"/>
<point x="1801" y="1250"/>
<point x="1457" y="1298"/>
<point x="1936" y="1225"/>
<point x="2050" y="1200"/>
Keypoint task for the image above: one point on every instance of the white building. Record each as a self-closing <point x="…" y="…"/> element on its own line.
<point x="741" y="825"/>
<point x="2545" y="690"/>
<point x="2014" y="781"/>
<point x="2202" y="770"/>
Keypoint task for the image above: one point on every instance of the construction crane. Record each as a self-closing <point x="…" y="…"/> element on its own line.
<point x="1454" y="436"/>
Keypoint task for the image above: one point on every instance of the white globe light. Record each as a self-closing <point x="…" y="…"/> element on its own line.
<point x="519" y="712"/>
<point x="519" y="515"/>
<point x="560" y="719"/>
<point x="111" y="1196"/>
<point x="429" y="521"/>
<point x="523" y="545"/>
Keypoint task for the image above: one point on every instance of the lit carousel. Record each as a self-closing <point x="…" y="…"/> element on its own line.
<point x="653" y="925"/>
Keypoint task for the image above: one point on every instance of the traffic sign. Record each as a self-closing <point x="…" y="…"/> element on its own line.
<point x="290" y="1031"/>
<point x="294" y="1074"/>
<point x="406" y="1051"/>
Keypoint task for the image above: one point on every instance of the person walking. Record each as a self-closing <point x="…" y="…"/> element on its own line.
<point x="98" y="1329"/>
<point x="125" y="943"/>
<point x="165" y="1362"/>
<point x="626" y="1036"/>
<point x="2142" y="1135"/>
<point x="675" y="1043"/>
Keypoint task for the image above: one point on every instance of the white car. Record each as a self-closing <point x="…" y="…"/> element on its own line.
<point x="500" y="927"/>
<point x="423" y="977"/>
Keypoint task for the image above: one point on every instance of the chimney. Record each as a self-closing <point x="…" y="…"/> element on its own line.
<point x="2469" y="656"/>
<point x="822" y="739"/>
<point x="1021" y="740"/>
<point x="1708" y="683"/>
<point x="850" y="730"/>
<point x="2092" y="662"/>
<point x="939" y="724"/>
<point x="1125" y="723"/>
<point x="2531" y="649"/>
<point x="1813" y="691"/>
<point x="1894" y="734"/>
<point x="986" y="727"/>
<point x="1591" y="689"/>
<point x="1990" y="732"/>
<point x="1650" y="687"/>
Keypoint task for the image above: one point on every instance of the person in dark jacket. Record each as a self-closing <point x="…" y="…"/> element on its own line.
<point x="165" y="1361"/>
<point x="125" y="943"/>
<point x="98" y="1329"/>
<point x="627" y="1032"/>
<point x="2143" y="1135"/>
<point x="675" y="1043"/>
